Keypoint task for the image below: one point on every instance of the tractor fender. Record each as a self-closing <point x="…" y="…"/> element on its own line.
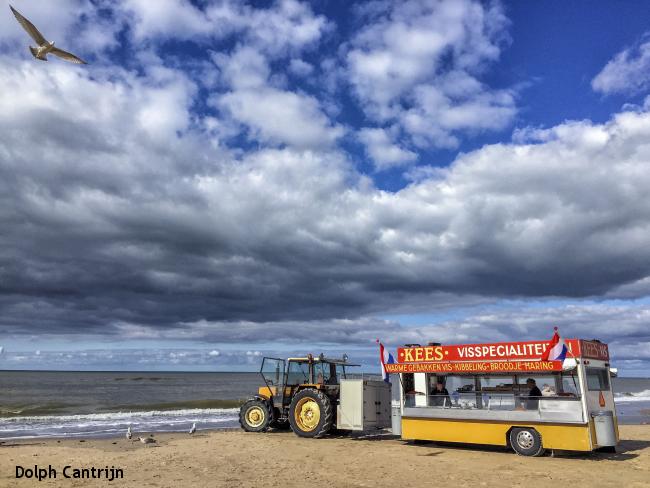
<point x="269" y="401"/>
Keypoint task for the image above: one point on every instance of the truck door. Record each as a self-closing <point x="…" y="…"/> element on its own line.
<point x="599" y="398"/>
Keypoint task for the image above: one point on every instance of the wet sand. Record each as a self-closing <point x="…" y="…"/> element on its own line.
<point x="281" y="459"/>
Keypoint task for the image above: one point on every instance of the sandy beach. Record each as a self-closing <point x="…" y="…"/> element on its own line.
<point x="281" y="459"/>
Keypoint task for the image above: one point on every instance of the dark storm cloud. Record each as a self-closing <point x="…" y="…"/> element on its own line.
<point x="126" y="211"/>
<point x="622" y="326"/>
<point x="156" y="226"/>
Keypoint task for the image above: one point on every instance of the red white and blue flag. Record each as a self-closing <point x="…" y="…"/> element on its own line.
<point x="385" y="358"/>
<point x="556" y="349"/>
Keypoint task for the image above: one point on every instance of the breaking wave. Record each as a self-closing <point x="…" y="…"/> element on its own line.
<point x="638" y="396"/>
<point x="112" y="424"/>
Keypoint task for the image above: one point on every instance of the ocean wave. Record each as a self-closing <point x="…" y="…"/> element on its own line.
<point x="113" y="424"/>
<point x="123" y="415"/>
<point x="48" y="409"/>
<point x="34" y="409"/>
<point x="638" y="396"/>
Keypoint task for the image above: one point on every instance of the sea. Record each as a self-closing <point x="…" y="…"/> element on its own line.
<point x="42" y="404"/>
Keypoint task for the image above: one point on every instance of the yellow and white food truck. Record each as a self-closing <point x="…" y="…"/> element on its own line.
<point x="505" y="394"/>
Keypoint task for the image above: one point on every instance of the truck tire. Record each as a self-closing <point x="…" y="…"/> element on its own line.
<point x="526" y="442"/>
<point x="311" y="413"/>
<point x="255" y="415"/>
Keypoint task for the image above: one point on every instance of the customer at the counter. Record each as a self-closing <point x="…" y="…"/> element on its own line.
<point x="439" y="395"/>
<point x="532" y="402"/>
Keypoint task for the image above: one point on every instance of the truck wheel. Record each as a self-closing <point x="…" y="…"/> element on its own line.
<point x="526" y="442"/>
<point x="310" y="413"/>
<point x="255" y="416"/>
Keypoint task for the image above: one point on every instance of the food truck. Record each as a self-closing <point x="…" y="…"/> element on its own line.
<point x="505" y="394"/>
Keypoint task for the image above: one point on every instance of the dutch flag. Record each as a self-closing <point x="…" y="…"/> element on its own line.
<point x="556" y="349"/>
<point x="385" y="358"/>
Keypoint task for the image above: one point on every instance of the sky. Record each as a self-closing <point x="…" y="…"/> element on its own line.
<point x="226" y="180"/>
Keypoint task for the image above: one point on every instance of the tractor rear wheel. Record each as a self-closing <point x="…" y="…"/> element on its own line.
<point x="255" y="415"/>
<point x="311" y="413"/>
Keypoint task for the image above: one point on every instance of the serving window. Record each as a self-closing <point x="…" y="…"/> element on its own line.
<point x="570" y="385"/>
<point x="494" y="392"/>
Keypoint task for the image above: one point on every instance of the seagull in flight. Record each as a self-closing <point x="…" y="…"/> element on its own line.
<point x="43" y="46"/>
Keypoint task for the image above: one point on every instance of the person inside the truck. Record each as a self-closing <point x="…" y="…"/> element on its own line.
<point x="532" y="401"/>
<point x="440" y="395"/>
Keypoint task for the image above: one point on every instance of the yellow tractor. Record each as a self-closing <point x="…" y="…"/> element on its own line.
<point x="300" y="393"/>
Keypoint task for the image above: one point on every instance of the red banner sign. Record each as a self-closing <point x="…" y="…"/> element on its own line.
<point x="594" y="350"/>
<point x="502" y="351"/>
<point x="474" y="367"/>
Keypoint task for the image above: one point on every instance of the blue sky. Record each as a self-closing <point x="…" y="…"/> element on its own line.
<point x="230" y="179"/>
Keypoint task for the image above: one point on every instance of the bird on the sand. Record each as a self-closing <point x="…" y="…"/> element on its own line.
<point x="193" y="428"/>
<point x="44" y="47"/>
<point x="147" y="440"/>
<point x="129" y="434"/>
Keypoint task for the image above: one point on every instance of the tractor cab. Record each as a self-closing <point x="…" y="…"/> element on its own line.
<point x="317" y="372"/>
<point x="299" y="392"/>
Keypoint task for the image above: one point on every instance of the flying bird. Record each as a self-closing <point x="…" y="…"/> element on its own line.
<point x="129" y="434"/>
<point x="193" y="428"/>
<point x="44" y="47"/>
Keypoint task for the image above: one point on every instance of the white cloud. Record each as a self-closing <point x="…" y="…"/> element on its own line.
<point x="158" y="210"/>
<point x="382" y="150"/>
<point x="417" y="65"/>
<point x="245" y="68"/>
<point x="272" y="115"/>
<point x="171" y="18"/>
<point x="285" y="26"/>
<point x="214" y="353"/>
<point x="281" y="117"/>
<point x="436" y="116"/>
<point x="628" y="72"/>
<point x="288" y="25"/>
<point x="129" y="197"/>
<point x="300" y="68"/>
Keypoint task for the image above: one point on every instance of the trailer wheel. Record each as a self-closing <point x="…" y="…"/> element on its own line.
<point x="255" y="416"/>
<point x="310" y="413"/>
<point x="526" y="442"/>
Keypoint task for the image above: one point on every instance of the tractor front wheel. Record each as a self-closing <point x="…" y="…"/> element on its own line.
<point x="255" y="416"/>
<point x="310" y="413"/>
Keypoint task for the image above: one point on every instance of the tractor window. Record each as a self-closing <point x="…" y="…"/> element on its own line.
<point x="298" y="373"/>
<point x="321" y="372"/>
<point x="330" y="376"/>
<point x="340" y="372"/>
<point x="273" y="371"/>
<point x="325" y="374"/>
